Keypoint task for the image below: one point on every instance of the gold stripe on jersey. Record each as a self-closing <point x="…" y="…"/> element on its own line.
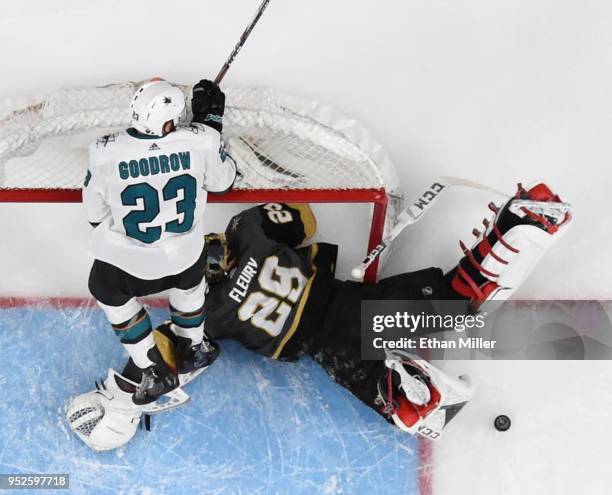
<point x="308" y="219"/>
<point x="305" y="295"/>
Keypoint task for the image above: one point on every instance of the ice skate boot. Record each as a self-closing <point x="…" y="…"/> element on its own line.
<point x="157" y="380"/>
<point x="190" y="357"/>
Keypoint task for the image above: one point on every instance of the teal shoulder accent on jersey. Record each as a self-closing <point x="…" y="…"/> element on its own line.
<point x="87" y="179"/>
<point x="138" y="135"/>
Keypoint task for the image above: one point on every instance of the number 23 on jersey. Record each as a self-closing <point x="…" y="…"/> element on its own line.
<point x="185" y="185"/>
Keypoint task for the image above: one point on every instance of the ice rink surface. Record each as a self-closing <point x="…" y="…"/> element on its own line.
<point x="253" y="425"/>
<point x="496" y="91"/>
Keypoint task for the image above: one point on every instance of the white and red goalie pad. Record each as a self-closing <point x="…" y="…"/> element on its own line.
<point x="445" y="398"/>
<point x="512" y="244"/>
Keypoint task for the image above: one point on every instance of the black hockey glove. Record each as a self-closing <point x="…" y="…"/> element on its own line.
<point x="208" y="104"/>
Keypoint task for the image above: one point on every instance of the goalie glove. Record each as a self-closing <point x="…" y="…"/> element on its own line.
<point x="419" y="398"/>
<point x="208" y="104"/>
<point x="105" y="418"/>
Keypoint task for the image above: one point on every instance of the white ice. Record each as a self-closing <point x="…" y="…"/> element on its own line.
<point x="497" y="91"/>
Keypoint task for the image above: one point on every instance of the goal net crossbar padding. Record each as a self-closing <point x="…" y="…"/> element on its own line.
<point x="287" y="149"/>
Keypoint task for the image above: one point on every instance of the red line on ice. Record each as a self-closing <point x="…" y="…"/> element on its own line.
<point x="425" y="467"/>
<point x="64" y="302"/>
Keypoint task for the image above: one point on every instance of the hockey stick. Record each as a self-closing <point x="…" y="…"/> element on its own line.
<point x="413" y="213"/>
<point x="241" y="41"/>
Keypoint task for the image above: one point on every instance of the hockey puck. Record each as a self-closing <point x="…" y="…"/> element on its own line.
<point x="502" y="423"/>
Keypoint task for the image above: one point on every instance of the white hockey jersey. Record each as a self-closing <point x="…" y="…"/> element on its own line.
<point x="149" y="195"/>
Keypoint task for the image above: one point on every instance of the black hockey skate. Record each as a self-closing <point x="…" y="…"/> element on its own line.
<point x="157" y="380"/>
<point x="190" y="358"/>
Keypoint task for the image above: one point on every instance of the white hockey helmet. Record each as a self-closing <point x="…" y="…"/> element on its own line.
<point x="155" y="103"/>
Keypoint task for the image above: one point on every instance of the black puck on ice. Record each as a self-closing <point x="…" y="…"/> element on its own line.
<point x="502" y="423"/>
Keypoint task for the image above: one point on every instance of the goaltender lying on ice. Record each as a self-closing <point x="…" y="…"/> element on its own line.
<point x="294" y="307"/>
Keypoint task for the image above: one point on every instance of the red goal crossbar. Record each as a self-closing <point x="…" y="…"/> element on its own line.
<point x="378" y="198"/>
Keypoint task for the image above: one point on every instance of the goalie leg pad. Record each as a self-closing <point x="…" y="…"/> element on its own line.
<point x="511" y="245"/>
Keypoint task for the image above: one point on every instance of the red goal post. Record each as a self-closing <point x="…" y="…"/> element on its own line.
<point x="287" y="150"/>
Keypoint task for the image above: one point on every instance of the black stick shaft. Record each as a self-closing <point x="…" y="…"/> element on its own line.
<point x="241" y="41"/>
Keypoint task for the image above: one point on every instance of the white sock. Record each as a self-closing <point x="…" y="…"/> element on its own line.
<point x="138" y="351"/>
<point x="196" y="334"/>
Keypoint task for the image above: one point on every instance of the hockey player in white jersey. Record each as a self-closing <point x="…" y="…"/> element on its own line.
<point x="145" y="193"/>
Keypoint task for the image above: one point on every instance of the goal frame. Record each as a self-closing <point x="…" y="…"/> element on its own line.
<point x="376" y="196"/>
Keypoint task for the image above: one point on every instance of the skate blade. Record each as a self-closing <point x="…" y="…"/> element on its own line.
<point x="186" y="378"/>
<point x="176" y="398"/>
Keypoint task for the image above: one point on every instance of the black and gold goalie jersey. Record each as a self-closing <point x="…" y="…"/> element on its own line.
<point x="276" y="292"/>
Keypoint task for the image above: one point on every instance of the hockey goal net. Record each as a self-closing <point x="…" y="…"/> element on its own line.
<point x="287" y="150"/>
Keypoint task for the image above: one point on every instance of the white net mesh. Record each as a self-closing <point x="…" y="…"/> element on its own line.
<point x="278" y="141"/>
